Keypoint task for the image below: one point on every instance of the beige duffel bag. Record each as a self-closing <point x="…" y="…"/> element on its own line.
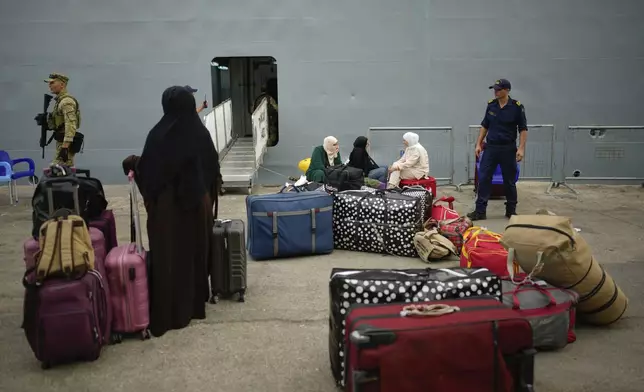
<point x="431" y="245"/>
<point x="549" y="246"/>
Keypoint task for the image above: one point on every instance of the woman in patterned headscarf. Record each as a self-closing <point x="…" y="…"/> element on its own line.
<point x="326" y="155"/>
<point x="414" y="164"/>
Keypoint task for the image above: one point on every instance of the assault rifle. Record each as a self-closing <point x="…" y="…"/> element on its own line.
<point x="41" y="120"/>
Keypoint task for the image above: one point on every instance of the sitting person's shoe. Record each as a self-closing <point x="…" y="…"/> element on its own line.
<point x="508" y="214"/>
<point x="475" y="215"/>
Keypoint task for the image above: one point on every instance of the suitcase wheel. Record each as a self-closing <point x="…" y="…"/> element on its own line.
<point x="116" y="338"/>
<point x="145" y="334"/>
<point x="45" y="365"/>
<point x="214" y="299"/>
<point x="242" y="296"/>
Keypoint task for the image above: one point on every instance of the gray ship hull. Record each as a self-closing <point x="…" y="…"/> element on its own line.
<point x="344" y="67"/>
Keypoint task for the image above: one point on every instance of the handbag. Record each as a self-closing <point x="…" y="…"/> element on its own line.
<point x="441" y="212"/>
<point x="344" y="178"/>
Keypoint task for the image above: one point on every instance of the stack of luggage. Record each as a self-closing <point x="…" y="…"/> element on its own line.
<point x="67" y="316"/>
<point x="472" y="328"/>
<point x="82" y="290"/>
<point x="424" y="329"/>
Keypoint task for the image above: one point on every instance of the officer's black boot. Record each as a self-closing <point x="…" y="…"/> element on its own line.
<point x="510" y="210"/>
<point x="475" y="215"/>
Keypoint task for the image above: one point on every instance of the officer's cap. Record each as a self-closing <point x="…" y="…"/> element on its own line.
<point x="192" y="90"/>
<point x="501" y="84"/>
<point x="57" y="76"/>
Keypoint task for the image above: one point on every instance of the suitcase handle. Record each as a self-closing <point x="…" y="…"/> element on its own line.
<point x="516" y="304"/>
<point x="61" y="180"/>
<point x="134" y="213"/>
<point x="428" y="310"/>
<point x="49" y="186"/>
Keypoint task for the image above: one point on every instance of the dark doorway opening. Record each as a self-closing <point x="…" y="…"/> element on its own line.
<point x="246" y="81"/>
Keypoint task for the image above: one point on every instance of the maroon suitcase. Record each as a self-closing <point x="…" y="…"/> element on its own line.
<point x="65" y="319"/>
<point x="107" y="225"/>
<point x="478" y="344"/>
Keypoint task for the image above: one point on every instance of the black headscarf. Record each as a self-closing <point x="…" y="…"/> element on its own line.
<point x="178" y="152"/>
<point x="359" y="156"/>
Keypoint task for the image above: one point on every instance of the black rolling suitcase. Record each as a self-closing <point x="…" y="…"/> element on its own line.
<point x="227" y="267"/>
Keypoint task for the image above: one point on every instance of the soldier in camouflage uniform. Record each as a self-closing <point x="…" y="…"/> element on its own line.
<point x="64" y="119"/>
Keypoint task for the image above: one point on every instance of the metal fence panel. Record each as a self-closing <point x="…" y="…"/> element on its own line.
<point x="596" y="154"/>
<point x="537" y="165"/>
<point x="386" y="146"/>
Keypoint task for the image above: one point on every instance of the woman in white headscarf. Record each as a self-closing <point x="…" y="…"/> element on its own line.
<point x="413" y="165"/>
<point x="328" y="154"/>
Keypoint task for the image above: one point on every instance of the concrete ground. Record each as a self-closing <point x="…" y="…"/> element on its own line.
<point x="277" y="340"/>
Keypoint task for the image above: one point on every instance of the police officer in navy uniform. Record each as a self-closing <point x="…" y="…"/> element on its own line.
<point x="504" y="119"/>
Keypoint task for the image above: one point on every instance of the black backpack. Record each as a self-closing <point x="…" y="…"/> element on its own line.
<point x="344" y="178"/>
<point x="91" y="199"/>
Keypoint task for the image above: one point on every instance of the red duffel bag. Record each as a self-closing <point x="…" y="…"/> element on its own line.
<point x="482" y="249"/>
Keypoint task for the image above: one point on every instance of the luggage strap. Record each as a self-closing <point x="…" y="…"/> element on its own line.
<point x="512" y="268"/>
<point x="276" y="214"/>
<point x="428" y="310"/>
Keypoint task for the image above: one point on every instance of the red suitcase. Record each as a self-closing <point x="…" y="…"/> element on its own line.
<point x="128" y="280"/>
<point x="428" y="183"/>
<point x="463" y="345"/>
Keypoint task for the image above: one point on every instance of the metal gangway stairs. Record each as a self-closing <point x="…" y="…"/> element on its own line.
<point x="239" y="157"/>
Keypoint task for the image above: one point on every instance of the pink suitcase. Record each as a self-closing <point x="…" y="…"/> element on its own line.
<point x="128" y="281"/>
<point x="31" y="247"/>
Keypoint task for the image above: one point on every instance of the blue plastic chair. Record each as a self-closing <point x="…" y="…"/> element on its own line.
<point x="10" y="175"/>
<point x="5" y="178"/>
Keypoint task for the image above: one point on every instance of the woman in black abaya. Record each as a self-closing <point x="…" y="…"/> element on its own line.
<point x="178" y="175"/>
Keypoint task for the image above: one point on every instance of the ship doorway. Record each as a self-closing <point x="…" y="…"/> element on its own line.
<point x="246" y="81"/>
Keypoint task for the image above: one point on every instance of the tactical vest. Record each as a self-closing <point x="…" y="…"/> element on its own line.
<point x="59" y="118"/>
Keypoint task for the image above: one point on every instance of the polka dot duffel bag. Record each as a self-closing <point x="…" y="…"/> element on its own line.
<point x="359" y="287"/>
<point x="376" y="221"/>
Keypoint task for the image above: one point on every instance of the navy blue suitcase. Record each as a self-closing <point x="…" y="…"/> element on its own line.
<point x="289" y="224"/>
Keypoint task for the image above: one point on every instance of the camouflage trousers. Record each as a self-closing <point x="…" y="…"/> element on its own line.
<point x="70" y="156"/>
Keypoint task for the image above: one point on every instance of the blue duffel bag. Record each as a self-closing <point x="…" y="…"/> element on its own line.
<point x="289" y="224"/>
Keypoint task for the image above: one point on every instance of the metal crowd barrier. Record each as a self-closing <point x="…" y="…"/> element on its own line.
<point x="538" y="162"/>
<point x="602" y="154"/>
<point x="386" y="147"/>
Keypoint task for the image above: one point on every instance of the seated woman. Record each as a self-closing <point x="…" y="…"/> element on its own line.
<point x="178" y="175"/>
<point x="413" y="165"/>
<point x="376" y="176"/>
<point x="326" y="155"/>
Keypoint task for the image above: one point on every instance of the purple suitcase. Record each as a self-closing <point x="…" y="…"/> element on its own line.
<point x="65" y="319"/>
<point x="107" y="225"/>
<point x="128" y="280"/>
<point x="31" y="246"/>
